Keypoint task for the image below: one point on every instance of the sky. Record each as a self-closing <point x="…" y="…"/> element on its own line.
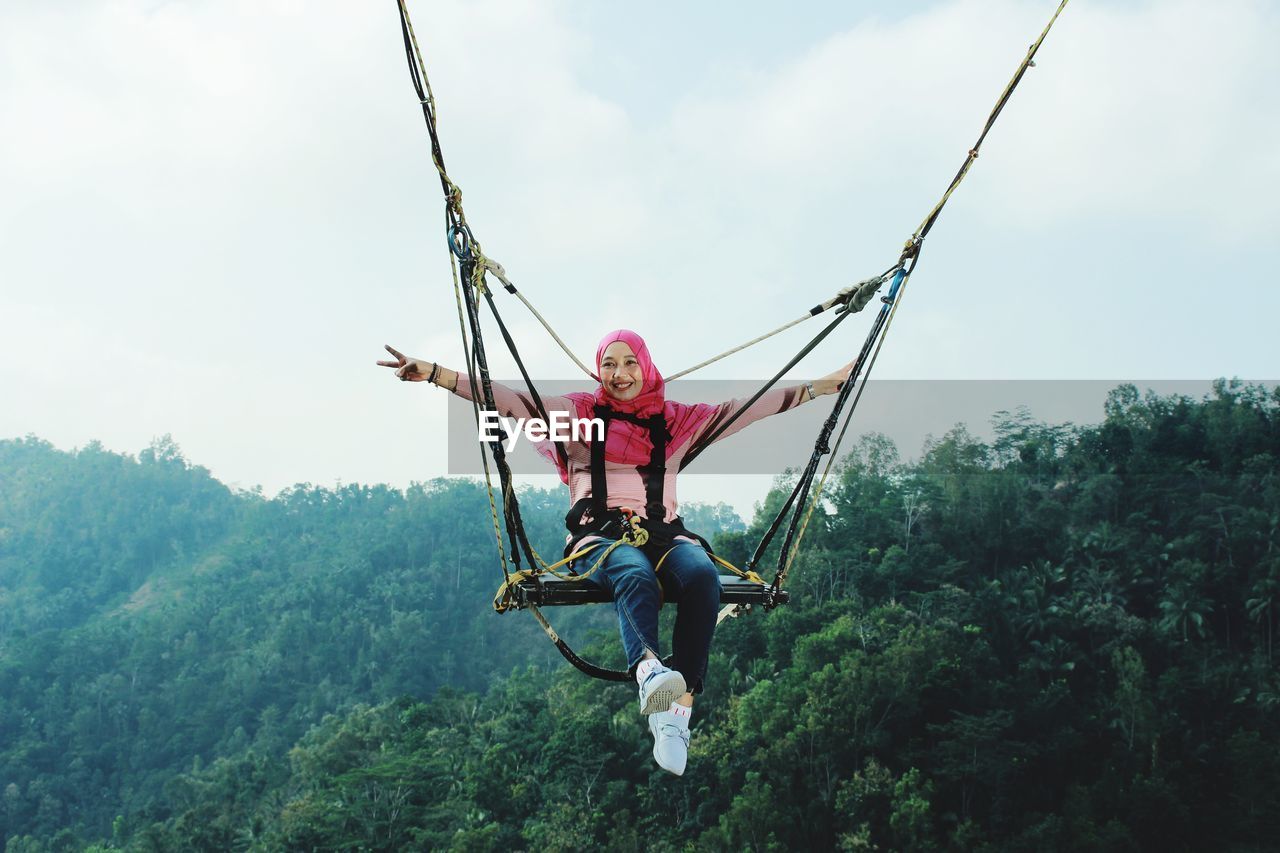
<point x="214" y="214"/>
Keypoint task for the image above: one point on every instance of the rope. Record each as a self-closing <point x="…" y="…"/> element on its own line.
<point x="781" y="577"/>
<point x="927" y="224"/>
<point x="800" y="493"/>
<point x="422" y="85"/>
<point x="745" y="575"/>
<point x="504" y="598"/>
<point x="847" y="298"/>
<point x="583" y="665"/>
<point x="511" y="507"/>
<point x="737" y="349"/>
<point x="852" y="298"/>
<point x="524" y="373"/>
<point x="910" y="255"/>
<point x="706" y="442"/>
<point x="501" y="274"/>
<point x="475" y="407"/>
<point x="466" y="249"/>
<point x="467" y="281"/>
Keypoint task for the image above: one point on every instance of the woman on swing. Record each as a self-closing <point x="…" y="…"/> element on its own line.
<point x="673" y="566"/>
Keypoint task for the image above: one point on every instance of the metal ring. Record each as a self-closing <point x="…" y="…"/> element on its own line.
<point x="460" y="241"/>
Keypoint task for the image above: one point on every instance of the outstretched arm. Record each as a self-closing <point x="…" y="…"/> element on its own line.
<point x="510" y="402"/>
<point x="831" y="383"/>
<point x="409" y="369"/>
<point x="737" y="414"/>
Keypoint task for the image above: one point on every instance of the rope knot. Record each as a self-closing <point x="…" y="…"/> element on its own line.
<point x="858" y="295"/>
<point x="910" y="250"/>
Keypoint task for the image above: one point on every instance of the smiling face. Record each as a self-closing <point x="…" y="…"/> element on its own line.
<point x="620" y="372"/>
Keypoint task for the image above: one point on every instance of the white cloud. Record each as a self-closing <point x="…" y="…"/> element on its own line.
<point x="241" y="192"/>
<point x="1152" y="109"/>
<point x="1165" y="111"/>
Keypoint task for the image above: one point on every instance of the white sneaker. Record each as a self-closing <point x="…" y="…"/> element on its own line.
<point x="670" y="741"/>
<point x="660" y="689"/>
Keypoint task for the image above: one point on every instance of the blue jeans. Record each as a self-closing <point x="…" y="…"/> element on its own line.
<point x="686" y="577"/>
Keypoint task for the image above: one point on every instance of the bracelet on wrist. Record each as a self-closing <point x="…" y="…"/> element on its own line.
<point x="435" y="370"/>
<point x="812" y="394"/>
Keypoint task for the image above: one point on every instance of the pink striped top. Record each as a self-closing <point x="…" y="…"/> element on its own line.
<point x="626" y="483"/>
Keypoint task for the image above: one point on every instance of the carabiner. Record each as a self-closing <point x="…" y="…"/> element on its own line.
<point x="461" y="241"/>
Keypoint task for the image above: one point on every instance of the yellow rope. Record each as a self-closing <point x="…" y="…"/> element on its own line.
<point x="1028" y="62"/>
<point x="484" y="458"/>
<point x="422" y="66"/>
<point x="453" y="202"/>
<point x="715" y="558"/>
<point x="453" y="193"/>
<point x="504" y="598"/>
<point x="960" y="176"/>
<point x="747" y="575"/>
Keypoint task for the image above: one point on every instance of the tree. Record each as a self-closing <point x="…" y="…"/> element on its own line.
<point x="1261" y="607"/>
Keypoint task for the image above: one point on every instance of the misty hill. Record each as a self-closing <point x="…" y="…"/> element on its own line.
<point x="1063" y="639"/>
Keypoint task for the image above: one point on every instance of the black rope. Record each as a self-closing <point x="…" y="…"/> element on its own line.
<point x="510" y="505"/>
<point x="586" y="667"/>
<point x="533" y="392"/>
<point x="463" y="244"/>
<point x="879" y="329"/>
<point x="707" y="441"/>
<point x="843" y="312"/>
<point x="911" y="257"/>
<point x="1028" y="62"/>
<point x="419" y="86"/>
<point x="821" y="447"/>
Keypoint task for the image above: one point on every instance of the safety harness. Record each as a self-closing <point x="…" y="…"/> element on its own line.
<point x="593" y="517"/>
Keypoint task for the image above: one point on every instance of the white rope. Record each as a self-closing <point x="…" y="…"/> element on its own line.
<point x="501" y="274"/>
<point x="738" y="348"/>
<point x="855" y="298"/>
<point x="852" y="298"/>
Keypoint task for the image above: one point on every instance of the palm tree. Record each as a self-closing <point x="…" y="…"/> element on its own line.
<point x="1042" y="608"/>
<point x="1099" y="586"/>
<point x="1263" y="604"/>
<point x="1184" y="607"/>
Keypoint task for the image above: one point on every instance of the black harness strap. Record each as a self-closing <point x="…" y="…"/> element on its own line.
<point x="593" y="517"/>
<point x="654" y="473"/>
<point x="599" y="487"/>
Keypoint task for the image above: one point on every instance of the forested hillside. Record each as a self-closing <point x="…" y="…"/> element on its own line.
<point x="1063" y="639"/>
<point x="152" y="620"/>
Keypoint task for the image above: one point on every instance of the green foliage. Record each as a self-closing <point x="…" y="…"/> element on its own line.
<point x="1060" y="640"/>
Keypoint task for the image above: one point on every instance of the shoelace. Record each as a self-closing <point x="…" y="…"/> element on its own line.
<point x="672" y="730"/>
<point x="652" y="676"/>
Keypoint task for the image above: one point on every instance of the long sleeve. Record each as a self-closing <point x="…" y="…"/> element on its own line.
<point x="512" y="403"/>
<point x="773" y="402"/>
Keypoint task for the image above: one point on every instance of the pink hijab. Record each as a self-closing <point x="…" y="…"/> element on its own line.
<point x="628" y="443"/>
